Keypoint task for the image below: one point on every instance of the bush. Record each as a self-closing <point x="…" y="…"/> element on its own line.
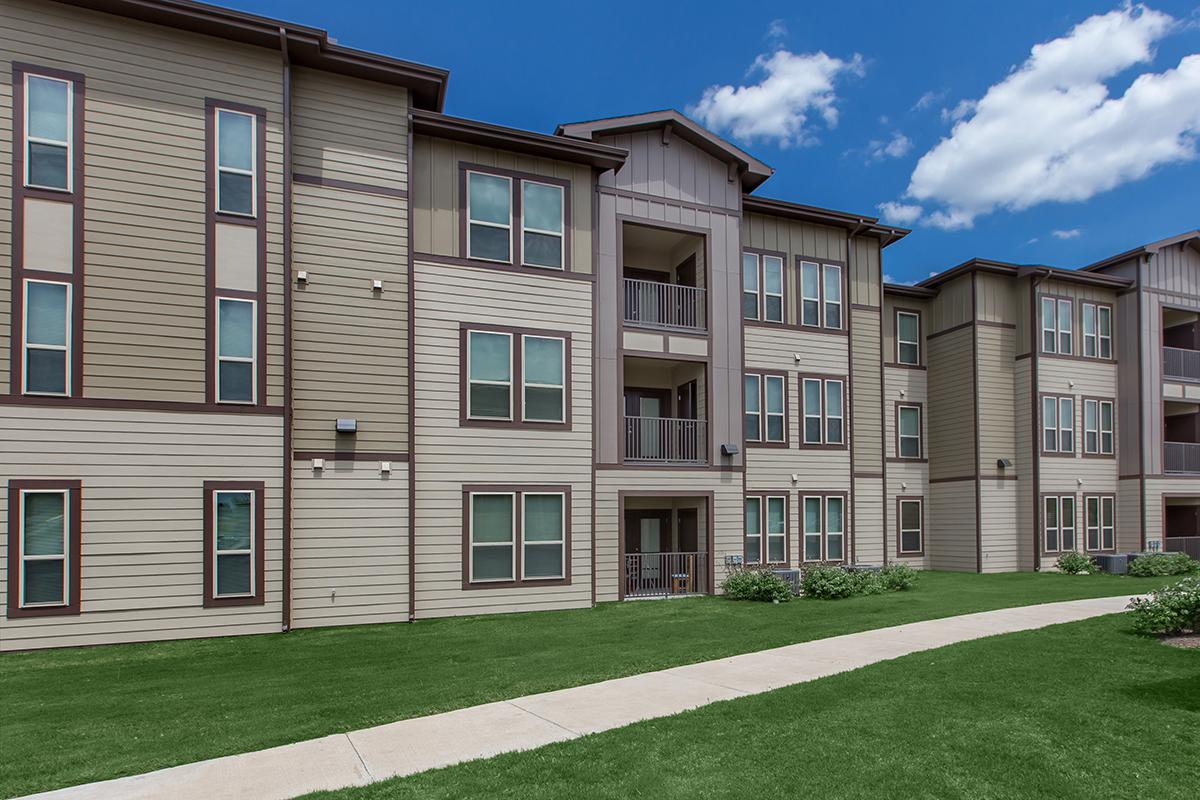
<point x="1076" y="564"/>
<point x="757" y="584"/>
<point x="1170" y="610"/>
<point x="1156" y="564"/>
<point x="897" y="577"/>
<point x="834" y="583"/>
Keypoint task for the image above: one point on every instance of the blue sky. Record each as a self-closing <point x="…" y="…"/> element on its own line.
<point x="1093" y="138"/>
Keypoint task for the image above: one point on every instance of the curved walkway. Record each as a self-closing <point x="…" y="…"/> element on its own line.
<point x="414" y="745"/>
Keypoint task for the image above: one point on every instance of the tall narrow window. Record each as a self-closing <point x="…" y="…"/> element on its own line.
<point x="1090" y="343"/>
<point x="1066" y="522"/>
<point x="908" y="338"/>
<point x="1050" y="524"/>
<point x="772" y="288"/>
<point x="542" y="225"/>
<point x="1058" y="523"/>
<point x="544" y="379"/>
<point x="1064" y="327"/>
<point x="752" y="401"/>
<point x="812" y="411"/>
<point x="1099" y="522"/>
<point x="750" y="286"/>
<point x="810" y="294"/>
<point x="1108" y="523"/>
<point x="833" y="296"/>
<point x="812" y="528"/>
<point x="236" y="354"/>
<point x="543" y="526"/>
<point x="1107" y="437"/>
<point x="489" y="216"/>
<point x="1058" y="424"/>
<point x="236" y="161"/>
<point x="47" y="338"/>
<point x="233" y="544"/>
<point x="48" y="132"/>
<point x="1104" y="330"/>
<point x="910" y="523"/>
<point x="835" y="529"/>
<point x="493" y="537"/>
<point x="1049" y="326"/>
<point x="773" y="390"/>
<point x="44" y="548"/>
<point x="776" y="530"/>
<point x="1098" y="427"/>
<point x="835" y="420"/>
<point x="489" y="375"/>
<point x="908" y="431"/>
<point x="752" y="543"/>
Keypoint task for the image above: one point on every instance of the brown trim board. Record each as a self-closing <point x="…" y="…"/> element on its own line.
<point x="74" y="549"/>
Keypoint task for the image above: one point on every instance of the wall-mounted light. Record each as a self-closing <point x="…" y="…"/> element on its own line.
<point x="346" y="425"/>
<point x="302" y="276"/>
<point x="318" y="463"/>
<point x="1003" y="463"/>
<point x="385" y="467"/>
<point x="729" y="449"/>
<point x="795" y="477"/>
<point x="377" y="285"/>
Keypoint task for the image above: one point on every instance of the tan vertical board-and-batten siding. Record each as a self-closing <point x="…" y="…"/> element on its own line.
<point x="677" y="171"/>
<point x="142" y="501"/>
<point x="144" y="308"/>
<point x="450" y="455"/>
<point x="350" y="340"/>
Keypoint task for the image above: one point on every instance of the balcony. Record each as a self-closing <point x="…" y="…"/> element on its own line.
<point x="666" y="440"/>
<point x="664" y="574"/>
<point x="1181" y="457"/>
<point x="665" y="306"/>
<point x="1181" y="364"/>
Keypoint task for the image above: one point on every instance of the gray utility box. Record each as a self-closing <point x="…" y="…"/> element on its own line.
<point x="1115" y="563"/>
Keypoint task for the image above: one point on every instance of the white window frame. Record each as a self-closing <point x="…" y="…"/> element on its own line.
<point x="252" y="360"/>
<point x="1099" y="431"/>
<point x="781" y="294"/>
<point x="561" y="233"/>
<point x="806" y="415"/>
<point x="1059" y="330"/>
<point x="764" y="413"/>
<point x="212" y="536"/>
<point x="900" y="341"/>
<point x="804" y="298"/>
<point x="919" y="530"/>
<point x="487" y="224"/>
<point x="1102" y="526"/>
<point x="757" y="290"/>
<point x="829" y="534"/>
<point x="26" y="346"/>
<point x="758" y="393"/>
<point x="526" y="385"/>
<point x="806" y="534"/>
<point x="512" y="542"/>
<point x="1057" y="425"/>
<point x="561" y="542"/>
<point x="30" y="139"/>
<point x="746" y="534"/>
<point x="767" y="536"/>
<point x="901" y="436"/>
<point x="826" y="302"/>
<point x="1090" y="339"/>
<point x="66" y="549"/>
<point x="1099" y="340"/>
<point x="508" y="384"/>
<point x="1062" y="526"/>
<point x="1108" y="523"/>
<point x="252" y="172"/>
<point x="825" y="414"/>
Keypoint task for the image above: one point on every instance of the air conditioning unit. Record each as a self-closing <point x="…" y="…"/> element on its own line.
<point x="1114" y="563"/>
<point x="792" y="576"/>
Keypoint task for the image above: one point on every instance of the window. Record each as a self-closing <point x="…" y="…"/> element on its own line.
<point x="1098" y="427"/>
<point x="1097" y="330"/>
<point x="1100" y="522"/>
<point x="1056" y="325"/>
<point x="236" y="357"/>
<point x="516" y="535"/>
<point x="489" y="216"/>
<point x="1059" y="523"/>
<point x="821" y="303"/>
<point x="233" y="550"/>
<point x="833" y="296"/>
<point x="908" y="338"/>
<point x="48" y="132"/>
<point x="47" y="368"/>
<point x="910" y="521"/>
<point x="541" y="225"/>
<point x="236" y="162"/>
<point x="810" y="294"/>
<point x="762" y="283"/>
<point x="908" y="431"/>
<point x="44" y="516"/>
<point x="765" y="404"/>
<point x="772" y="267"/>
<point x="824" y="520"/>
<point x="750" y="286"/>
<point x="824" y="411"/>
<point x="766" y="530"/>
<point x="1058" y="424"/>
<point x="490" y="363"/>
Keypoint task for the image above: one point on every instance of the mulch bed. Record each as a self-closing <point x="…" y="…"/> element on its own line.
<point x="1190" y="641"/>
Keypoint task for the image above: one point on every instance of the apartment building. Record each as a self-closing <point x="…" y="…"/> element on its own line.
<point x="290" y="347"/>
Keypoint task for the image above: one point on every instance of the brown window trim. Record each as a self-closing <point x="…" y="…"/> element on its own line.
<point x="518" y="491"/>
<point x="822" y="445"/>
<point x="515" y="262"/>
<point x="259" y="222"/>
<point x="896" y="312"/>
<point x="920" y="407"/>
<point x="762" y="296"/>
<point x="258" y="488"/>
<point x="75" y="197"/>
<point x="1075" y="428"/>
<point x="74" y="491"/>
<point x="1099" y="430"/>
<point x="802" y="495"/>
<point x="1042" y="518"/>
<point x="1102" y="497"/>
<point x="900" y="500"/>
<point x="844" y="330"/>
<point x="761" y="496"/>
<point x="762" y="405"/>
<point x="518" y="379"/>
<point x="1075" y="333"/>
<point x="1112" y="332"/>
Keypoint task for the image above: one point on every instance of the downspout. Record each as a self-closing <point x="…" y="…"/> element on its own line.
<point x="1035" y="280"/>
<point x="412" y="397"/>
<point x="287" y="329"/>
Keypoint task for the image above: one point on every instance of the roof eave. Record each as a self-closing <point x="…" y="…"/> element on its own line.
<point x="1022" y="270"/>
<point x="599" y="156"/>
<point x="908" y="291"/>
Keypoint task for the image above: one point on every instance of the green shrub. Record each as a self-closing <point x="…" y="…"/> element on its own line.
<point x="833" y="583"/>
<point x="897" y="577"/>
<point x="757" y="584"/>
<point x="1170" y="610"/>
<point x="1156" y="564"/>
<point x="1076" y="564"/>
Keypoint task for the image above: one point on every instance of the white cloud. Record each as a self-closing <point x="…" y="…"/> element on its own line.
<point x="792" y="88"/>
<point x="1073" y="233"/>
<point x="1050" y="132"/>
<point x="777" y="30"/>
<point x="896" y="147"/>
<point x="899" y="213"/>
<point x="928" y="100"/>
<point x="959" y="111"/>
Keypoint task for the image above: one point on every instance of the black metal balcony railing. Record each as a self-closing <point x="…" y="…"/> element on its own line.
<point x="1181" y="457"/>
<point x="663" y="440"/>
<point x="668" y="306"/>
<point x="1183" y="544"/>
<point x="1181" y="363"/>
<point x="658" y="574"/>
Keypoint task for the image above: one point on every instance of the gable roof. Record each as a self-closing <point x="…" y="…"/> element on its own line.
<point x="1191" y="237"/>
<point x="753" y="172"/>
<point x="858" y="223"/>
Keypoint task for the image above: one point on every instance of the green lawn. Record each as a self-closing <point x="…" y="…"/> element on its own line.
<point x="1086" y="710"/>
<point x="73" y="716"/>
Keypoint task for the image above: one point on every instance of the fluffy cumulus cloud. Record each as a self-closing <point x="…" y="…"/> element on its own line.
<point x="793" y="91"/>
<point x="1050" y="131"/>
<point x="899" y="213"/>
<point x="896" y="147"/>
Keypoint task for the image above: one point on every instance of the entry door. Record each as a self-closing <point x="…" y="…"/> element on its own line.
<point x="644" y="435"/>
<point x="689" y="528"/>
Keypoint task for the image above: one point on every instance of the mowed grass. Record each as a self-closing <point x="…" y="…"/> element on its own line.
<point x="1086" y="710"/>
<point x="79" y="715"/>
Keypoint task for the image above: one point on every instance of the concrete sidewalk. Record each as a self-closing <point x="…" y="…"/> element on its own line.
<point x="415" y="745"/>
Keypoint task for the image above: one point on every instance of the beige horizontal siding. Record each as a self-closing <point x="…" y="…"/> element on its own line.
<point x="1000" y="532"/>
<point x="867" y="508"/>
<point x="142" y="503"/>
<point x="1129" y="515"/>
<point x="908" y="480"/>
<point x="997" y="395"/>
<point x="892" y="302"/>
<point x="6" y="133"/>
<point x="1023" y="464"/>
